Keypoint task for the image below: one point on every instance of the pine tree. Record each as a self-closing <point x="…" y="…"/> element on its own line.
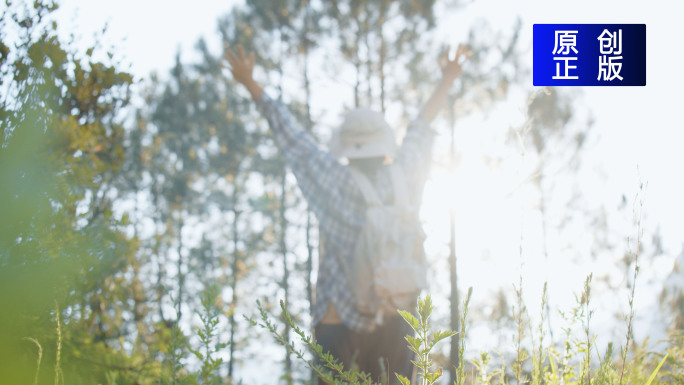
<point x="62" y="248"/>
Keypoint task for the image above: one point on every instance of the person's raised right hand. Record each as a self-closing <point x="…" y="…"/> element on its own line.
<point x="241" y="65"/>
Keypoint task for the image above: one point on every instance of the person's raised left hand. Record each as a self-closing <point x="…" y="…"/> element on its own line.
<point x="452" y="68"/>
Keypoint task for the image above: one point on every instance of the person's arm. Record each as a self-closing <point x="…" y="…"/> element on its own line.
<point x="451" y="69"/>
<point x="415" y="153"/>
<point x="326" y="184"/>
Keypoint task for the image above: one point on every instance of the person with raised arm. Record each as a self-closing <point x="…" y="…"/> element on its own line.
<point x="342" y="326"/>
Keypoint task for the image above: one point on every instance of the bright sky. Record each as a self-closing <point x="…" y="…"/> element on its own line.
<point x="638" y="124"/>
<point x="638" y="132"/>
<point x="148" y="33"/>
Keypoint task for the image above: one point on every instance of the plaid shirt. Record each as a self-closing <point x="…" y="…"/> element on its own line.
<point x="337" y="202"/>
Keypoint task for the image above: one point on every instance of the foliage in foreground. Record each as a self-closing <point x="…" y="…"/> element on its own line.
<point x="569" y="362"/>
<point x="566" y="363"/>
<point x="61" y="247"/>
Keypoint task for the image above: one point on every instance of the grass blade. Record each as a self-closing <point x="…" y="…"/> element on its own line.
<point x="657" y="369"/>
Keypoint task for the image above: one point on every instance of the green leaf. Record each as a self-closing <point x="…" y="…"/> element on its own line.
<point x="657" y="369"/>
<point x="414" y="343"/>
<point x="442" y="334"/>
<point x="402" y="379"/>
<point x="554" y="368"/>
<point x="197" y="353"/>
<point x="433" y="377"/>
<point x="410" y="319"/>
<point x="425" y="308"/>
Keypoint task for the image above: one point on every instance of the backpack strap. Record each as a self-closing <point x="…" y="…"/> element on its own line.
<point x="367" y="190"/>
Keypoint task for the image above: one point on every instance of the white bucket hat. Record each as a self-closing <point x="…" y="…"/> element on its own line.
<point x="363" y="134"/>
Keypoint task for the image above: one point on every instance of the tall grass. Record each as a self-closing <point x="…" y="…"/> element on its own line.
<point x="569" y="361"/>
<point x="572" y="365"/>
<point x="38" y="359"/>
<point x="59" y="375"/>
<point x="545" y="365"/>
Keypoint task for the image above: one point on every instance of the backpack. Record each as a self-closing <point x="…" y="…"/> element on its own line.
<point x="388" y="269"/>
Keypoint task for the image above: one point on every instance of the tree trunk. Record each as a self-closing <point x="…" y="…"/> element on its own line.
<point x="181" y="276"/>
<point x="286" y="272"/>
<point x="308" y="123"/>
<point x="381" y="67"/>
<point x="233" y="286"/>
<point x="283" y="233"/>
<point x="357" y="66"/>
<point x="308" y="126"/>
<point x="369" y="61"/>
<point x="454" y="357"/>
<point x="542" y="210"/>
